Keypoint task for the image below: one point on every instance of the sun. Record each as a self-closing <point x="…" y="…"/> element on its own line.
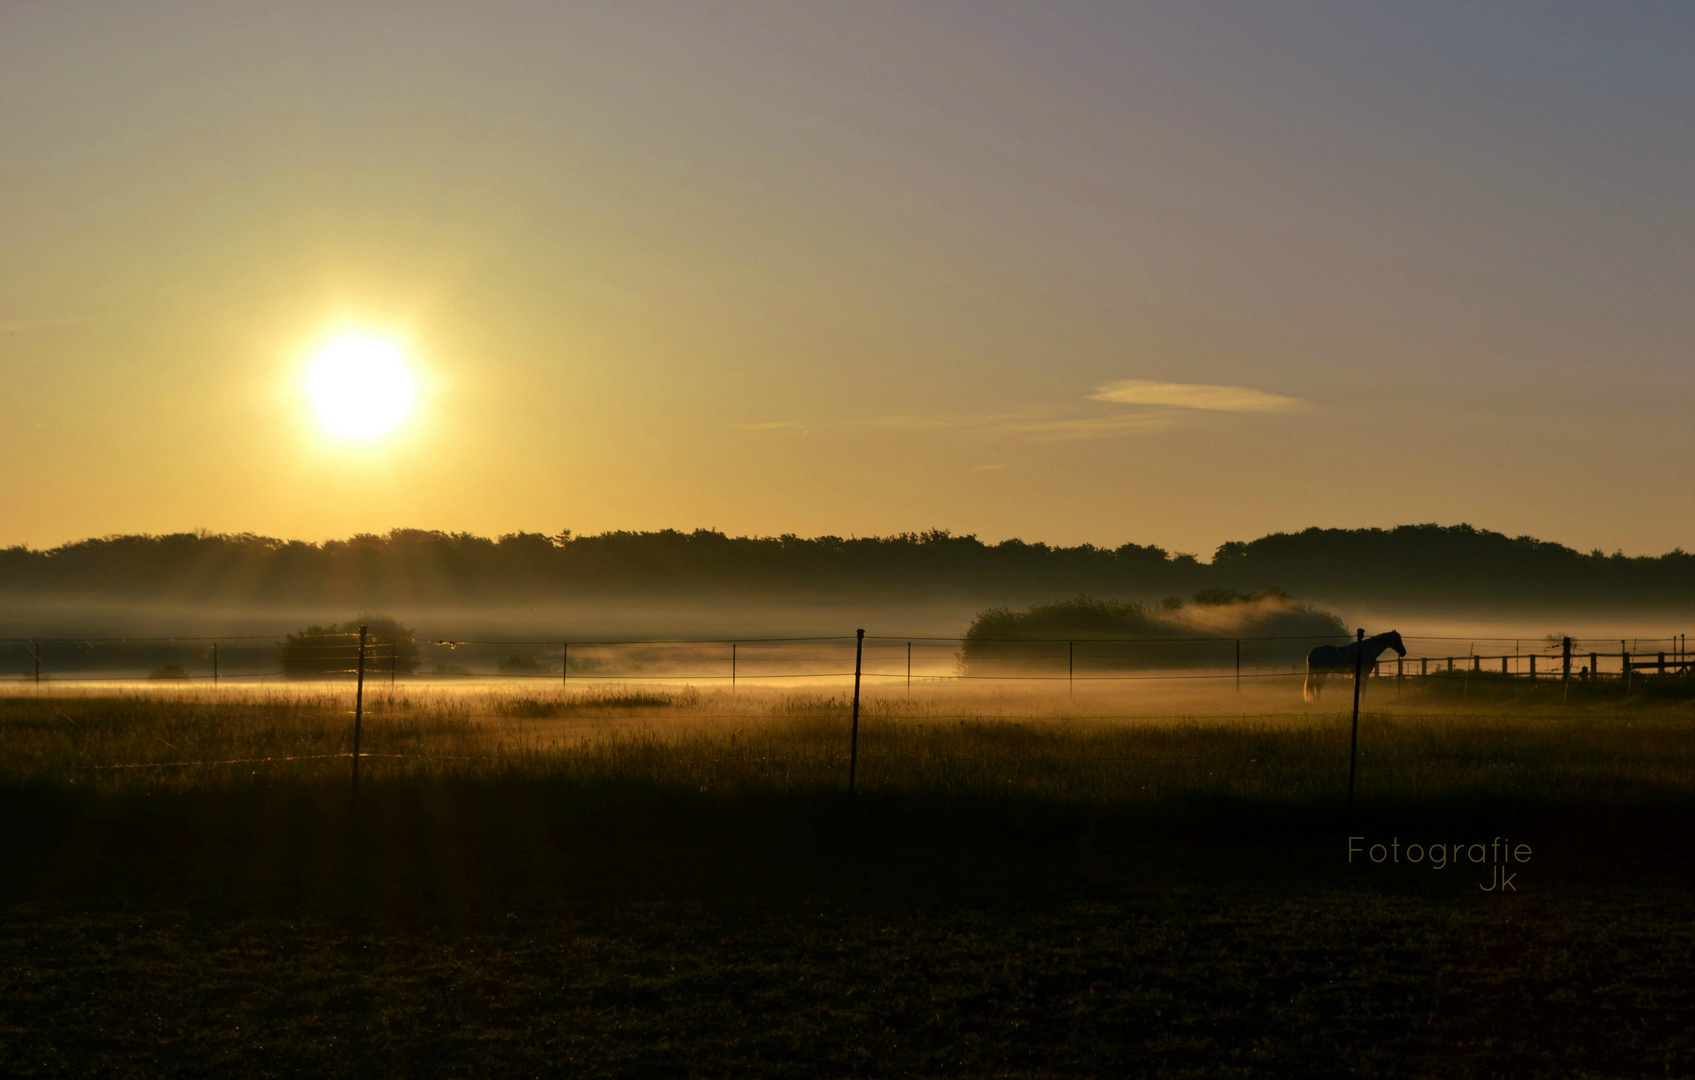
<point x="360" y="386"/>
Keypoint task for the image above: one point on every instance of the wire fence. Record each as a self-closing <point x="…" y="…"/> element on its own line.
<point x="883" y="660"/>
<point x="1066" y="666"/>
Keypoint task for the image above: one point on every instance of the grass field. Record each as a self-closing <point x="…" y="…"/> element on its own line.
<point x="664" y="881"/>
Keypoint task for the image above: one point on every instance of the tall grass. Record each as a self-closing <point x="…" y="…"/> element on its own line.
<point x="475" y="797"/>
<point x="984" y="745"/>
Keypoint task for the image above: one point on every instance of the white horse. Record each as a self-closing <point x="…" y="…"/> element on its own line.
<point x="1327" y="660"/>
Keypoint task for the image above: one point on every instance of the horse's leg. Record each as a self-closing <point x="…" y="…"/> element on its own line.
<point x="1314" y="685"/>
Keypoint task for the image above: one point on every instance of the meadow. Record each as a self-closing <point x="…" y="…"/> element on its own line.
<point x="664" y="880"/>
<point x="1436" y="745"/>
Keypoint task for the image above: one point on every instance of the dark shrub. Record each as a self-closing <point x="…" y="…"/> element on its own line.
<point x="524" y="664"/>
<point x="320" y="652"/>
<point x="1085" y="633"/>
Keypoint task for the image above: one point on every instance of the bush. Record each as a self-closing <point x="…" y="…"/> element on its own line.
<point x="1115" y="634"/>
<point x="319" y="652"/>
<point x="524" y="665"/>
<point x="1222" y="597"/>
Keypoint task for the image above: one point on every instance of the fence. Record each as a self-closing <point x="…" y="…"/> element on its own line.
<point x="327" y="654"/>
<point x="797" y="661"/>
<point x="1568" y="662"/>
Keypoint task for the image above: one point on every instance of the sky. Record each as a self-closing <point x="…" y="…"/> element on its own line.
<point x="1170" y="274"/>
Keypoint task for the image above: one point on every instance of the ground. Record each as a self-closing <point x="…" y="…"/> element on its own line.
<point x="688" y="908"/>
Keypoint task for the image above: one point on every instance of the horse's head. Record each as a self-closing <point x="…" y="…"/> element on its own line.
<point x="1393" y="640"/>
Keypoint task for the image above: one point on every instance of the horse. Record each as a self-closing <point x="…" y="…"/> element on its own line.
<point x="1329" y="660"/>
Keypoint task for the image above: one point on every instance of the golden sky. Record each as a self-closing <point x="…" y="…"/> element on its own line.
<point x="1177" y="275"/>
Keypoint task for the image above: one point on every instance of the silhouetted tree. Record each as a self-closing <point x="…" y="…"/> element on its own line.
<point x="1430" y="564"/>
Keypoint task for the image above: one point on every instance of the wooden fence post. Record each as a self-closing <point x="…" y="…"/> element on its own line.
<point x="358" y="710"/>
<point x="1565" y="659"/>
<point x="1354" y="737"/>
<point x="853" y="739"/>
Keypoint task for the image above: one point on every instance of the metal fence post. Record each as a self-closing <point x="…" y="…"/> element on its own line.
<point x="853" y="739"/>
<point x="358" y="710"/>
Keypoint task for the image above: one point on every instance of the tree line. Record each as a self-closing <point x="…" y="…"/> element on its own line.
<point x="1456" y="564"/>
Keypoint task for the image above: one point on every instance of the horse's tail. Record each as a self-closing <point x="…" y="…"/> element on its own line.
<point x="1313" y="685"/>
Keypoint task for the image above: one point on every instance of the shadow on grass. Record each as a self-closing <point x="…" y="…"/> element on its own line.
<point x="432" y="845"/>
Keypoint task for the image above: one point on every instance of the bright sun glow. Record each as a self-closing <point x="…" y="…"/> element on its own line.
<point x="360" y="386"/>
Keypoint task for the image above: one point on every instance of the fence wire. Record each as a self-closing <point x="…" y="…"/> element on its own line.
<point x="797" y="660"/>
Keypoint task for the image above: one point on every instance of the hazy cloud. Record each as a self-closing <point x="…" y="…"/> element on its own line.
<point x="1062" y="423"/>
<point x="1088" y="427"/>
<point x="1193" y="396"/>
<point x="1043" y="424"/>
<point x="773" y="425"/>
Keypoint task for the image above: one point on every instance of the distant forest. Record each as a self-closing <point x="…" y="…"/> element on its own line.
<point x="1425" y="565"/>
